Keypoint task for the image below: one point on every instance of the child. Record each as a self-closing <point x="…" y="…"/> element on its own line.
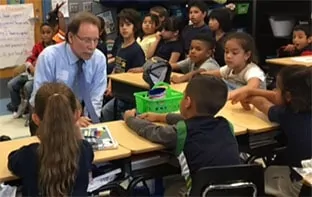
<point x="290" y="106"/>
<point x="240" y="70"/>
<point x="220" y="24"/>
<point x="24" y="80"/>
<point x="302" y="42"/>
<point x="167" y="45"/>
<point x="197" y="15"/>
<point x="102" y="41"/>
<point x="60" y="164"/>
<point x="57" y="21"/>
<point x="129" y="56"/>
<point x="149" y="26"/>
<point x="196" y="135"/>
<point x="199" y="59"/>
<point x="161" y="13"/>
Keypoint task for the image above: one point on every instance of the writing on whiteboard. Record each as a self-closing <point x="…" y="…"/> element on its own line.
<point x="16" y="33"/>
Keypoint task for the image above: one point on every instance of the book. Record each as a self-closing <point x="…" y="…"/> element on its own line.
<point x="99" y="137"/>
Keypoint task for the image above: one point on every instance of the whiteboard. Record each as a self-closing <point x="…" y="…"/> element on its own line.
<point x="16" y="34"/>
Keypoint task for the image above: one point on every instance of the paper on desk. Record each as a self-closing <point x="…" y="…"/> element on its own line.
<point x="306" y="170"/>
<point x="102" y="180"/>
<point x="306" y="59"/>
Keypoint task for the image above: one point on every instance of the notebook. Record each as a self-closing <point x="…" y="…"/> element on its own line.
<point x="99" y="137"/>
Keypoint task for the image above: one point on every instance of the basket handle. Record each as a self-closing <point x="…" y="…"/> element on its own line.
<point x="159" y="84"/>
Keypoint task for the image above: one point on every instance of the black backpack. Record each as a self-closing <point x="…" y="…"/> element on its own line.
<point x="156" y="70"/>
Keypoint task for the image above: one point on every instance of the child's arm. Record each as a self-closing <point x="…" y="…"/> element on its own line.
<point x="151" y="51"/>
<point x="165" y="135"/>
<point x="215" y="73"/>
<point x="246" y="93"/>
<point x="185" y="78"/>
<point x="262" y="104"/>
<point x="174" y="57"/>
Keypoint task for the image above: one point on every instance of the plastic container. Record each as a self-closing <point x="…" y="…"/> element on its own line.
<point x="170" y="103"/>
<point x="242" y="8"/>
<point x="281" y="26"/>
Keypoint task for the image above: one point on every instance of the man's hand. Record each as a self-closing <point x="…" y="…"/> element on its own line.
<point x="175" y="79"/>
<point x="153" y="117"/>
<point x="84" y="121"/>
<point x="129" y="113"/>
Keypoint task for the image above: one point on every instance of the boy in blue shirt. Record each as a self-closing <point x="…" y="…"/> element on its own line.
<point x="196" y="135"/>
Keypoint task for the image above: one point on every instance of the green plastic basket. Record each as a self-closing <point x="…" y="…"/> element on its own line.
<point x="171" y="102"/>
<point x="242" y="8"/>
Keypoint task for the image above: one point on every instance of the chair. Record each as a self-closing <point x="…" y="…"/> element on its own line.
<point x="237" y="180"/>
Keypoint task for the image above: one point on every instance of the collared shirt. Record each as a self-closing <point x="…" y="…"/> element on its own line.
<point x="58" y="63"/>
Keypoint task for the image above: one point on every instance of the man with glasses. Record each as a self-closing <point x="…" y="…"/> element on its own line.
<point x="78" y="64"/>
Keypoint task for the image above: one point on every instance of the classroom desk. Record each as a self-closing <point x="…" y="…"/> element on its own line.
<point x="289" y="61"/>
<point x="129" y="139"/>
<point x="254" y="120"/>
<point x="8" y="146"/>
<point x="137" y="144"/>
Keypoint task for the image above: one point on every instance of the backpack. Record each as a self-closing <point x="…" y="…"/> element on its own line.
<point x="156" y="70"/>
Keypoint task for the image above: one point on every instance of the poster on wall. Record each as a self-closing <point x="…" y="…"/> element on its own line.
<point x="63" y="9"/>
<point x="13" y="1"/>
<point x="109" y="22"/>
<point x="16" y="34"/>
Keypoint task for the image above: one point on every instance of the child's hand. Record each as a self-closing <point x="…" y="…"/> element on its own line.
<point x="238" y="95"/>
<point x="245" y="105"/>
<point x="153" y="117"/>
<point x="129" y="113"/>
<point x="108" y="92"/>
<point x="158" y="35"/>
<point x="31" y="69"/>
<point x="136" y="70"/>
<point x="289" y="48"/>
<point x="175" y="79"/>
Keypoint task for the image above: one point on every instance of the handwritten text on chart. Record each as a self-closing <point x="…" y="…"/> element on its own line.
<point x="16" y="33"/>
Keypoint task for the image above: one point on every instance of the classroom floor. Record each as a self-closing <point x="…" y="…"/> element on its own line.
<point x="14" y="128"/>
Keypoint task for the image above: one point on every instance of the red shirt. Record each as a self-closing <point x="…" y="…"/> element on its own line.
<point x="35" y="53"/>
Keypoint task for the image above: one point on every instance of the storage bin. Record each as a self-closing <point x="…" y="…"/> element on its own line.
<point x="281" y="26"/>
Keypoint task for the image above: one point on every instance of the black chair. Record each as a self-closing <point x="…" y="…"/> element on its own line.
<point x="238" y="180"/>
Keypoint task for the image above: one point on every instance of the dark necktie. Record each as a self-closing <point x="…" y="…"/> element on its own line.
<point x="83" y="89"/>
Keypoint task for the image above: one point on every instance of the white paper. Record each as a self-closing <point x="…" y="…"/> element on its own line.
<point x="16" y="34"/>
<point x="109" y="22"/>
<point x="63" y="9"/>
<point x="102" y="180"/>
<point x="305" y="59"/>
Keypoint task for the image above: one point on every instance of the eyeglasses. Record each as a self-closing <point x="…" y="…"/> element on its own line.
<point x="87" y="40"/>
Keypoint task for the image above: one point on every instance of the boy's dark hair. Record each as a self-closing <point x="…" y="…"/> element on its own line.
<point x="131" y="15"/>
<point x="163" y="12"/>
<point x="207" y="39"/>
<point x="103" y="35"/>
<point x="81" y="17"/>
<point x="173" y="23"/>
<point x="153" y="17"/>
<point x="306" y="28"/>
<point x="246" y="41"/>
<point x="199" y="4"/>
<point x="208" y="92"/>
<point x="296" y="80"/>
<point x="223" y="16"/>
